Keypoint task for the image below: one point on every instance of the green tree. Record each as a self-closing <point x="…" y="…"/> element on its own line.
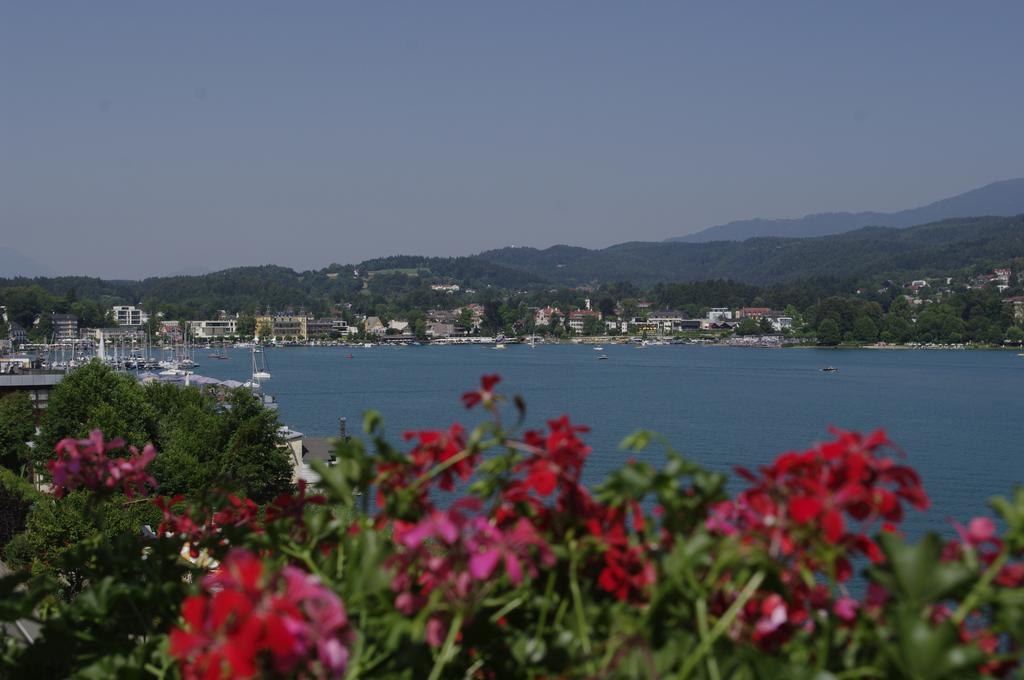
<point x="57" y="526"/>
<point x="898" y="329"/>
<point x="794" y="313"/>
<point x="1015" y="335"/>
<point x="253" y="461"/>
<point x="493" y="322"/>
<point x="17" y="496"/>
<point x="43" y="330"/>
<point x="900" y="308"/>
<point x="555" y="325"/>
<point x="748" y="326"/>
<point x="592" y="326"/>
<point x="204" y="447"/>
<point x="828" y="333"/>
<point x="864" y="329"/>
<point x="17" y="426"/>
<point x="95" y="396"/>
<point x="245" y="327"/>
<point x="466" y="319"/>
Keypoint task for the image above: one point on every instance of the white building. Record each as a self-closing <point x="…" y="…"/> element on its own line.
<point x="542" y="317"/>
<point x="667" y="322"/>
<point x="129" y="315"/>
<point x="719" y="314"/>
<point x="781" y="323"/>
<point x="218" y="328"/>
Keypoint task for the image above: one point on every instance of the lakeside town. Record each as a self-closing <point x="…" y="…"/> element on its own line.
<point x="920" y="312"/>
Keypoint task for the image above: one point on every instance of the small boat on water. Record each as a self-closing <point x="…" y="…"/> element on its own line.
<point x="500" y="345"/>
<point x="599" y="349"/>
<point x="830" y="369"/>
<point x="349" y="356"/>
<point x="602" y="357"/>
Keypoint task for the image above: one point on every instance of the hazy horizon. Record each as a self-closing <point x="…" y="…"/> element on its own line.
<point x="145" y="140"/>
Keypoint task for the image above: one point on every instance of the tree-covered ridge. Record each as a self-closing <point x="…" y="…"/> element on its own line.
<point x="925" y="250"/>
<point x="871" y="253"/>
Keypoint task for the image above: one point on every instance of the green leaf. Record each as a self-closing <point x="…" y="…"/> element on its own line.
<point x="915" y="573"/>
<point x="372" y="421"/>
<point x="638" y="441"/>
<point x="927" y="651"/>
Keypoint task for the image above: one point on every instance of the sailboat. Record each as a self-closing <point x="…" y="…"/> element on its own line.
<point x="219" y="352"/>
<point x="259" y="369"/>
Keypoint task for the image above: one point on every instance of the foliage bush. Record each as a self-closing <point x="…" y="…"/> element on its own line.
<point x="16" y="499"/>
<point x="227" y="440"/>
<point x="479" y="554"/>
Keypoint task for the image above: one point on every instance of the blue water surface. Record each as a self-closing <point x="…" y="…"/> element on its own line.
<point x="957" y="414"/>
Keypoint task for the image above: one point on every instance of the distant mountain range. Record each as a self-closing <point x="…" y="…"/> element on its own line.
<point x="870" y="253"/>
<point x="889" y="247"/>
<point x="1003" y="199"/>
<point x="929" y="249"/>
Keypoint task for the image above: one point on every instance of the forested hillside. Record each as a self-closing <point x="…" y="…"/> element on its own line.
<point x="871" y="252"/>
<point x="937" y="249"/>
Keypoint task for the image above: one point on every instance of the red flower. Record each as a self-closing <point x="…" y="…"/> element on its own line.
<point x="248" y="621"/>
<point x="436" y="447"/>
<point x="484" y="395"/>
<point x="804" y="498"/>
<point x="557" y="457"/>
<point x="292" y="506"/>
<point x="804" y="508"/>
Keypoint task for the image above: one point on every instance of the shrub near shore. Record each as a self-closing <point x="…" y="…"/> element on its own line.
<point x="479" y="553"/>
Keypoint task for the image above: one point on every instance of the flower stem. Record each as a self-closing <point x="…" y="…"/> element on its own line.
<point x="970" y="602"/>
<point x="577" y="600"/>
<point x="721" y="625"/>
<point x="448" y="649"/>
<point x="702" y="626"/>
<point x="460" y="456"/>
<point x="545" y="606"/>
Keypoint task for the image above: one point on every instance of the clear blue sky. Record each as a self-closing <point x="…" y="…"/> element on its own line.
<point x="141" y="137"/>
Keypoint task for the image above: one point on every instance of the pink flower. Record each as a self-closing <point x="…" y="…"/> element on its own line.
<point x="979" y="530"/>
<point x="435" y="525"/>
<point x="83" y="463"/>
<point x="774" y="615"/>
<point x="436" y="632"/>
<point x="489" y="545"/>
<point x="845" y="608"/>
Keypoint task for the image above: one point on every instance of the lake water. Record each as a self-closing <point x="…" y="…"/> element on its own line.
<point x="957" y="415"/>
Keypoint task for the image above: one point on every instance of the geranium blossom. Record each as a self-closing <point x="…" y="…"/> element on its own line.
<point x="249" y="619"/>
<point x="488" y="545"/>
<point x="484" y="395"/>
<point x="83" y="463"/>
<point x="436" y="447"/>
<point x="803" y="496"/>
